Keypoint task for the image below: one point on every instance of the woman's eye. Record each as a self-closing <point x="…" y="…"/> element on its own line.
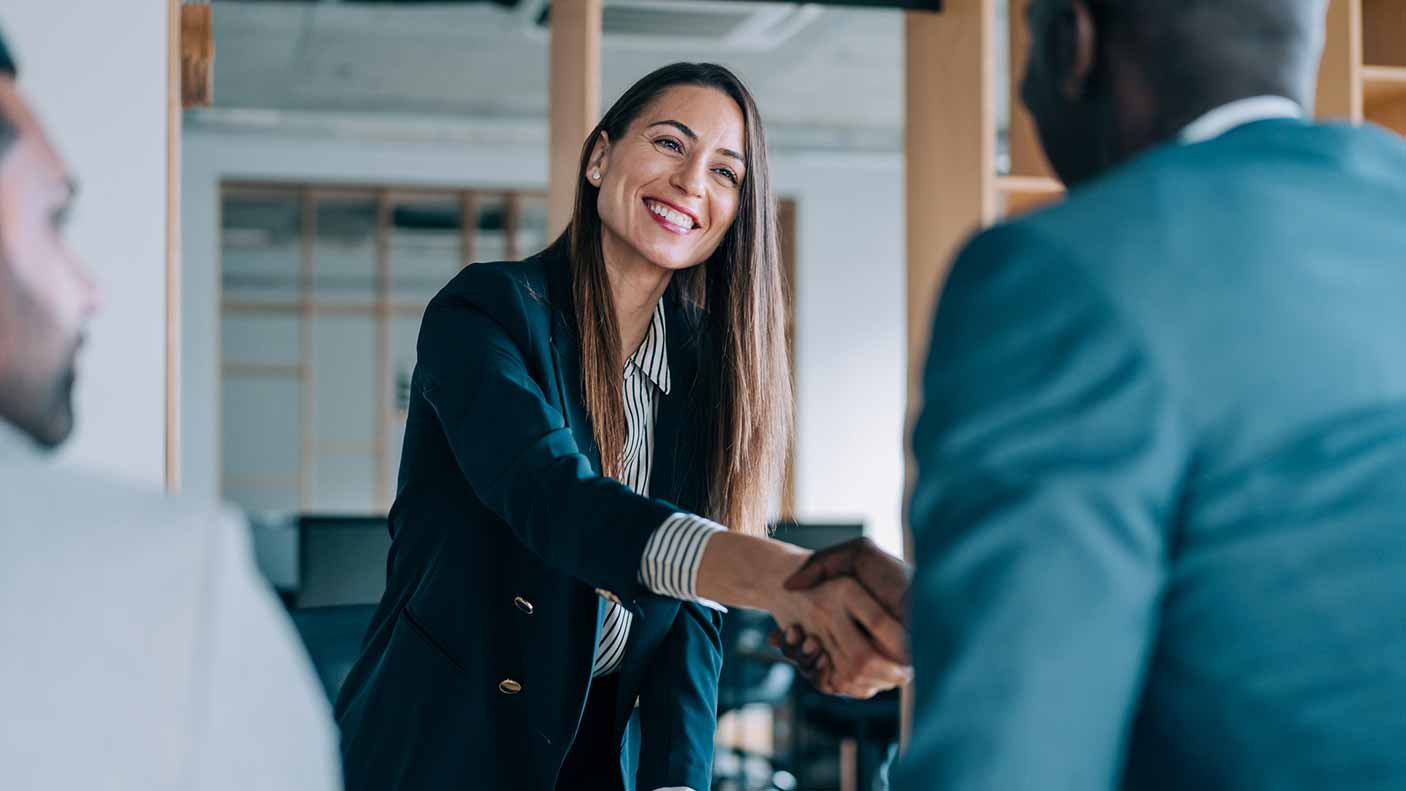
<point x="669" y="143"/>
<point x="727" y="174"/>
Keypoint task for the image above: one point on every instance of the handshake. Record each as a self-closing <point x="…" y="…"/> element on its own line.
<point x="847" y="631"/>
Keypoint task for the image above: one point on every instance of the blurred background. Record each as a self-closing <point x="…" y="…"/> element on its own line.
<point x="356" y="155"/>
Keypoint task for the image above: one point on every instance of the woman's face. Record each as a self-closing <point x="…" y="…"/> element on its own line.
<point x="670" y="187"/>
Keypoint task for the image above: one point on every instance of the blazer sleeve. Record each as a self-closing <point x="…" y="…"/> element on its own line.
<point x="1050" y="453"/>
<point x="679" y="703"/>
<point x="515" y="449"/>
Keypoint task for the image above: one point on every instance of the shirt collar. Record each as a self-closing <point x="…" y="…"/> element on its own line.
<point x="1238" y="113"/>
<point x="652" y="357"/>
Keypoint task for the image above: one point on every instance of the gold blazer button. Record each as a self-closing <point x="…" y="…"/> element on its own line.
<point x="524" y="605"/>
<point x="509" y="687"/>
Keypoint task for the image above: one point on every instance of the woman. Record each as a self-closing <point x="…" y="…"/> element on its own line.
<point x="573" y="419"/>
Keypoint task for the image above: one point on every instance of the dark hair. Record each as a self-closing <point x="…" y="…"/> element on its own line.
<point x="744" y="375"/>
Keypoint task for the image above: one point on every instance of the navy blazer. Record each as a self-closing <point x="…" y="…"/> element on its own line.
<point x="506" y="545"/>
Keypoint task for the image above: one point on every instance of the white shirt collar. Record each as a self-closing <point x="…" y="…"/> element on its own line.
<point x="652" y="357"/>
<point x="1238" y="113"/>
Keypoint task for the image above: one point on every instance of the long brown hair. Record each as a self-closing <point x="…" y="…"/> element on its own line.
<point x="744" y="376"/>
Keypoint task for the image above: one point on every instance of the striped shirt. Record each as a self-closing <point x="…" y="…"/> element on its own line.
<point x="670" y="563"/>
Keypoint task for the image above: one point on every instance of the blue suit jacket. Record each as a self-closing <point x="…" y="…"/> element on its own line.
<point x="500" y="500"/>
<point x="1160" y="515"/>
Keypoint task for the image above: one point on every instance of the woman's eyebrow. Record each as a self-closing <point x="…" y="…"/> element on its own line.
<point x="692" y="135"/>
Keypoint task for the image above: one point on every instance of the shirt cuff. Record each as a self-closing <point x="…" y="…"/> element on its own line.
<point x="672" y="555"/>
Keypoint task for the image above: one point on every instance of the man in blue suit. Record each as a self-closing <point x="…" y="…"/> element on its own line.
<point x="1160" y="514"/>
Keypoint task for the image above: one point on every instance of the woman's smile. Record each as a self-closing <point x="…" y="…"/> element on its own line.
<point x="671" y="217"/>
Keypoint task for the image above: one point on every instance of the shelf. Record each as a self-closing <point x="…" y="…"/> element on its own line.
<point x="1384" y="96"/>
<point x="1383" y="84"/>
<point x="1023" y="193"/>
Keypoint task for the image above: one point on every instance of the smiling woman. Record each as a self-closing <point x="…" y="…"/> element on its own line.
<point x="581" y="425"/>
<point x="678" y="190"/>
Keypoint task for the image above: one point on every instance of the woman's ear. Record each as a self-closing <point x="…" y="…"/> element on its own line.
<point x="600" y="160"/>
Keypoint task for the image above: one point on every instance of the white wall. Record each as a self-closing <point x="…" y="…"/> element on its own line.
<point x="95" y="72"/>
<point x="850" y="312"/>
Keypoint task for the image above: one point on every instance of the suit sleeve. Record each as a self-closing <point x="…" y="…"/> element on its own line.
<point x="519" y="456"/>
<point x="1050" y="454"/>
<point x="680" y="691"/>
<point x="261" y="718"/>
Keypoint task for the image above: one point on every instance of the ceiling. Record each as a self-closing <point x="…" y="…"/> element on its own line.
<point x="837" y="73"/>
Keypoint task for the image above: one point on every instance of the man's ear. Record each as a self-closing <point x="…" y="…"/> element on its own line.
<point x="1075" y="49"/>
<point x="600" y="160"/>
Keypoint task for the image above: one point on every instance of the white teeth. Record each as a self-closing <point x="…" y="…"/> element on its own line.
<point x="677" y="218"/>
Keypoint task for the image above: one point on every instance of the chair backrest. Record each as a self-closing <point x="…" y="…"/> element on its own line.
<point x="333" y="637"/>
<point x="753" y="672"/>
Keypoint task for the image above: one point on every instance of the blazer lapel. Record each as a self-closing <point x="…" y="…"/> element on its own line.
<point x="675" y="448"/>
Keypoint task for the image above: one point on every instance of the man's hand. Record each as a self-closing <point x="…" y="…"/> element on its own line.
<point x="866" y="646"/>
<point x="882" y="576"/>
<point x="885" y="577"/>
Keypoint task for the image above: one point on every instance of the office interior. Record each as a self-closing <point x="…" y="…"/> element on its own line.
<point x="298" y="178"/>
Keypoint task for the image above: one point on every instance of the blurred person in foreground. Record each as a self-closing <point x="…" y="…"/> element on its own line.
<point x="140" y="650"/>
<point x="1160" y="510"/>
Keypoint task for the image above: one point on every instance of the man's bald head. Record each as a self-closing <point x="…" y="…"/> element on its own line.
<point x="1195" y="52"/>
<point x="1108" y="78"/>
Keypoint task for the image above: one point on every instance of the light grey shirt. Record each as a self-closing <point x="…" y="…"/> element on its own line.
<point x="139" y="649"/>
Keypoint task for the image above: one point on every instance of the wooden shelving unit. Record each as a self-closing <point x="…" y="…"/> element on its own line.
<point x="1363" y="77"/>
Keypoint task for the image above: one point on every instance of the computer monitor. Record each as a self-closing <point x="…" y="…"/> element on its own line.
<point x="817" y="535"/>
<point x="341" y="560"/>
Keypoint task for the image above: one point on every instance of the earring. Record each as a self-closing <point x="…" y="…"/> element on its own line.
<point x="595" y="175"/>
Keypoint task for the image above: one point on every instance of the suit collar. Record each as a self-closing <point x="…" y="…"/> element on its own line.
<point x="1233" y="115"/>
<point x="675" y="463"/>
<point x="652" y="357"/>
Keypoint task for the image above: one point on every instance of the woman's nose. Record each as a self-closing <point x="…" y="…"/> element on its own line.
<point x="689" y="178"/>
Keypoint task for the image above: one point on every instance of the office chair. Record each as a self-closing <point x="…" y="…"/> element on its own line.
<point x="753" y="673"/>
<point x="332" y="637"/>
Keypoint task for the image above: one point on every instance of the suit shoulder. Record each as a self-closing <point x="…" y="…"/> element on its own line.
<point x="513" y="293"/>
<point x="506" y="281"/>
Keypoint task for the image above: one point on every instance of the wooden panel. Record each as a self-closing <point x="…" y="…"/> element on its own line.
<point x="950" y="128"/>
<point x="197" y="55"/>
<point x="383" y="346"/>
<point x="949" y="184"/>
<point x="1340" y="74"/>
<point x="1384" y="32"/>
<point x="573" y="99"/>
<point x="307" y="403"/>
<point x="1027" y="155"/>
<point x="1384" y="94"/>
<point x="172" y="450"/>
<point x="1021" y="194"/>
<point x="468" y="227"/>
